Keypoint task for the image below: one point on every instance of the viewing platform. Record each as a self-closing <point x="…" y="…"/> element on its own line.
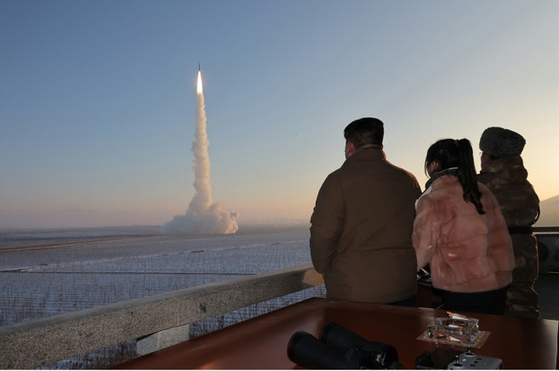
<point x="157" y="322"/>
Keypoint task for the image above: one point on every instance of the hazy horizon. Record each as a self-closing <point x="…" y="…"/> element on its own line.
<point x="98" y="98"/>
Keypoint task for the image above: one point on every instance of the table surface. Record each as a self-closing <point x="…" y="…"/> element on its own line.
<point x="261" y="342"/>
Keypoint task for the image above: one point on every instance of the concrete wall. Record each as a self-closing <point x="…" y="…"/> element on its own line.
<point x="548" y="246"/>
<point x="159" y="320"/>
<point x="162" y="320"/>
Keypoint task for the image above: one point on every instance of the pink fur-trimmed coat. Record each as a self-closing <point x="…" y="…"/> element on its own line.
<point x="467" y="252"/>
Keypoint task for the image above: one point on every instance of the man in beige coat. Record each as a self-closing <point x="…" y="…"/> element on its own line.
<point x="362" y="223"/>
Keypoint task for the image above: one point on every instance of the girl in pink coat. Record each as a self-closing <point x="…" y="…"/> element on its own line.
<point x="460" y="233"/>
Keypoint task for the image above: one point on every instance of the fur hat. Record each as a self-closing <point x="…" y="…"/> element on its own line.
<point x="499" y="142"/>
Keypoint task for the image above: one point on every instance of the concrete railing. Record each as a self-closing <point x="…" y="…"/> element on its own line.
<point x="159" y="321"/>
<point x="162" y="320"/>
<point x="548" y="245"/>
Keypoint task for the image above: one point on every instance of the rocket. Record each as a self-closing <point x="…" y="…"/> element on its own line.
<point x="199" y="88"/>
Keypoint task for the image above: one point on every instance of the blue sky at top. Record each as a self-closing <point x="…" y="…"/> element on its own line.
<point x="97" y="98"/>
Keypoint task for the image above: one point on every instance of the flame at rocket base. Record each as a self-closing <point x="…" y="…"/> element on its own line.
<point x="203" y="216"/>
<point x="199" y="88"/>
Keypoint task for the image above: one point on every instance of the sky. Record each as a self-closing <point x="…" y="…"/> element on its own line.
<point x="98" y="98"/>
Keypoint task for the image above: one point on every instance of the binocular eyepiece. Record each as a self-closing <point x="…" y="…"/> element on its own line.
<point x="340" y="348"/>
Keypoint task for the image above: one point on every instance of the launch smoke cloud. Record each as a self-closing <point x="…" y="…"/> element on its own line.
<point x="203" y="216"/>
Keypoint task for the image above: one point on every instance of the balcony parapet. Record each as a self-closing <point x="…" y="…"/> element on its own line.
<point x="161" y="320"/>
<point x="41" y="342"/>
<point x="548" y="248"/>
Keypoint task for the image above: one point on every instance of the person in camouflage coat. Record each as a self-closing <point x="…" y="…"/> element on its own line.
<point x="503" y="172"/>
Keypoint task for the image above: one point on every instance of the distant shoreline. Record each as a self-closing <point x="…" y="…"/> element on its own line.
<point x="256" y="228"/>
<point x="156" y="229"/>
<point x="12" y="240"/>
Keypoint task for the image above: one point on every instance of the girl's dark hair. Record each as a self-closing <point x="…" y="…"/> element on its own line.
<point x="451" y="153"/>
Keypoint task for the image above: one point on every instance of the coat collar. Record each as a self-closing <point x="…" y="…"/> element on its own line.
<point x="450" y="171"/>
<point x="366" y="154"/>
<point x="510" y="169"/>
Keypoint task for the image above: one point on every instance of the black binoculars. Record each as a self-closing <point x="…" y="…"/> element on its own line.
<point x="340" y="348"/>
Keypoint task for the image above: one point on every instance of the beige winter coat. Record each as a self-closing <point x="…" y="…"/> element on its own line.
<point x="467" y="252"/>
<point x="361" y="230"/>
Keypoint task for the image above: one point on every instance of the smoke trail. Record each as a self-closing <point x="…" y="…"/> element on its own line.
<point x="203" y="215"/>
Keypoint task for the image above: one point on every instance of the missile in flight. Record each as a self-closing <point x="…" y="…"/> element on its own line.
<point x="199" y="88"/>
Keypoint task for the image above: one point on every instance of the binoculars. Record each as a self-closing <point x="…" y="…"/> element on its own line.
<point x="340" y="348"/>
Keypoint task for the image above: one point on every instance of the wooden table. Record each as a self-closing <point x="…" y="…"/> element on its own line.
<point x="261" y="342"/>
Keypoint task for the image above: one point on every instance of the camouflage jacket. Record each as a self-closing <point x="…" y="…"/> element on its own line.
<point x="507" y="178"/>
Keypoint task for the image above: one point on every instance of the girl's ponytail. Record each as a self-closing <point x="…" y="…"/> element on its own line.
<point x="467" y="175"/>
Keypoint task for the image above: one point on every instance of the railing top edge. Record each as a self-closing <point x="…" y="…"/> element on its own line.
<point x="546" y="229"/>
<point x="103" y="309"/>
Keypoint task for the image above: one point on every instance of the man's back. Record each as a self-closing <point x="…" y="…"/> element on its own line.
<point x="361" y="230"/>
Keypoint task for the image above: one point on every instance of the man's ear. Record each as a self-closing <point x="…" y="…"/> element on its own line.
<point x="485" y="160"/>
<point x="349" y="149"/>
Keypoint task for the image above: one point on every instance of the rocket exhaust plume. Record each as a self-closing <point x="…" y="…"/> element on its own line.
<point x="203" y="215"/>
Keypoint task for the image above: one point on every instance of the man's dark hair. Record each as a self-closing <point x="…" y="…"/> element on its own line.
<point x="366" y="130"/>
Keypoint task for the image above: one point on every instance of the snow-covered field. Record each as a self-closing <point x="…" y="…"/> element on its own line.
<point x="44" y="273"/>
